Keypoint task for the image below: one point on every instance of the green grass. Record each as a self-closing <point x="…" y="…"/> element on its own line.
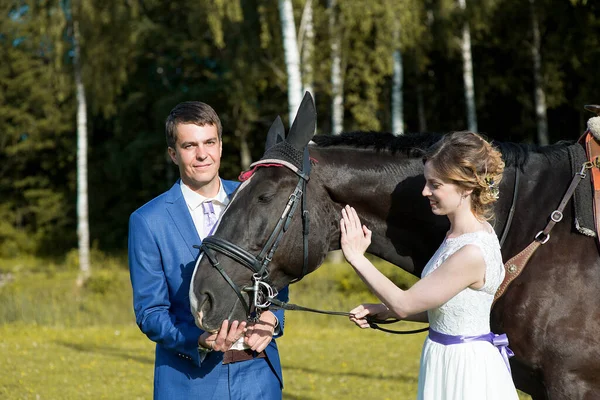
<point x="98" y="362"/>
<point x="57" y="342"/>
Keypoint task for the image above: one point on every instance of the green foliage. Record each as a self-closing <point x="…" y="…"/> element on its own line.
<point x="140" y="59"/>
<point x="35" y="147"/>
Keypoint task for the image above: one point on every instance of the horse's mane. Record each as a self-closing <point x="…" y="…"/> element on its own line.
<point x="415" y="145"/>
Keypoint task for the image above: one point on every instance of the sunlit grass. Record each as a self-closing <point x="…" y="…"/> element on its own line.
<point x="41" y="362"/>
<point x="57" y="342"/>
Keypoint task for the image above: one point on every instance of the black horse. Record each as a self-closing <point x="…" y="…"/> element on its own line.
<point x="551" y="312"/>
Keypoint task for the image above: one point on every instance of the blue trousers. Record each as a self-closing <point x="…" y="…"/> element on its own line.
<point x="247" y="380"/>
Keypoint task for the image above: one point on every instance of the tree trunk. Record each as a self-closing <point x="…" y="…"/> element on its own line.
<point x="245" y="157"/>
<point x="421" y="107"/>
<point x="465" y="46"/>
<point x="337" y="91"/>
<point x="292" y="57"/>
<point x="337" y="81"/>
<point x="397" y="83"/>
<point x="307" y="44"/>
<point x="169" y="170"/>
<point x="539" y="94"/>
<point x="83" y="230"/>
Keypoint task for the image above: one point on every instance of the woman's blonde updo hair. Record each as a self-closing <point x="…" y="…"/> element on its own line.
<point x="471" y="162"/>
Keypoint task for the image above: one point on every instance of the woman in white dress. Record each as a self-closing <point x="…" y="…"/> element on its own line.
<point x="461" y="358"/>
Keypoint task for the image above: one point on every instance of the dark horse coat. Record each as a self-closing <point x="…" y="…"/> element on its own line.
<point x="551" y="312"/>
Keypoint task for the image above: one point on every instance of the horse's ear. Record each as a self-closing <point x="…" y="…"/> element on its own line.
<point x="276" y="133"/>
<point x="305" y="123"/>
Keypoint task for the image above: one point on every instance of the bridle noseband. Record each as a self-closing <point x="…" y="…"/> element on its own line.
<point x="264" y="293"/>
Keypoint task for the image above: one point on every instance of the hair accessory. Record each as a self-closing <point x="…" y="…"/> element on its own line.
<point x="492" y="186"/>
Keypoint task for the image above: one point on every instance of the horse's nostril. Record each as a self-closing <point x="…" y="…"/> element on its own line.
<point x="201" y="300"/>
<point x="200" y="308"/>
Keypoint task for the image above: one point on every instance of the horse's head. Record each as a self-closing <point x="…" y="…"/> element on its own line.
<point x="262" y="240"/>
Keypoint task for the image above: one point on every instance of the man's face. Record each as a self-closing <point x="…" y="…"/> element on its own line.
<point x="197" y="153"/>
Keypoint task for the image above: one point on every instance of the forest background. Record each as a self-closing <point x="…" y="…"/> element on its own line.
<point x="139" y="58"/>
<point x="85" y="87"/>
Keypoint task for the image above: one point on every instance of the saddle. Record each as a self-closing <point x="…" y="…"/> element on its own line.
<point x="591" y="141"/>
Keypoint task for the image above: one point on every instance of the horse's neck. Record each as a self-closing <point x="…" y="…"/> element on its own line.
<point x="541" y="186"/>
<point x="386" y="192"/>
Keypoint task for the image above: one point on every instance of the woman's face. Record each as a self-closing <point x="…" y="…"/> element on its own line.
<point x="444" y="197"/>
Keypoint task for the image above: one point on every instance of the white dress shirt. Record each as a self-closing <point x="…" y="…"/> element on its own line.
<point x="194" y="202"/>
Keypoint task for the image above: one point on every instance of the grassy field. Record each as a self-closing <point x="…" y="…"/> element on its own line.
<point x="60" y="343"/>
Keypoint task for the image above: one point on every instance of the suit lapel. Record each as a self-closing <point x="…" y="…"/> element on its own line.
<point x="229" y="186"/>
<point x="180" y="214"/>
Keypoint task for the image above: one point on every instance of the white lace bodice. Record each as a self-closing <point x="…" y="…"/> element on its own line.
<point x="468" y="313"/>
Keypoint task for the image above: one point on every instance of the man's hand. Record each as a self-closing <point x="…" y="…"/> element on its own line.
<point x="224" y="338"/>
<point x="260" y="334"/>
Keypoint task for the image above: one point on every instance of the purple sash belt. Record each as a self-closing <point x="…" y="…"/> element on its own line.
<point x="500" y="341"/>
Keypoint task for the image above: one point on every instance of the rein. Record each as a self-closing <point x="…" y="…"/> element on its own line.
<point x="373" y="322"/>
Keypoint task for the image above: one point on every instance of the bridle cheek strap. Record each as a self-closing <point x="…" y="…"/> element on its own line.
<point x="215" y="263"/>
<point x="259" y="264"/>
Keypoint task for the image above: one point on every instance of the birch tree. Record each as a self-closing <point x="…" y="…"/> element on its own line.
<point x="465" y="49"/>
<point x="83" y="228"/>
<point x="337" y="79"/>
<point x="307" y="46"/>
<point x="407" y="18"/>
<point x="539" y="93"/>
<point x="397" y="84"/>
<point x="292" y="57"/>
<point x="421" y="66"/>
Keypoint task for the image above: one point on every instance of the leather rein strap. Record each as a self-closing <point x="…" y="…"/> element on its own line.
<point x="373" y="322"/>
<point x="515" y="265"/>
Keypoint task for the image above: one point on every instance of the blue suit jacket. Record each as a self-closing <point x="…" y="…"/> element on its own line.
<point x="161" y="262"/>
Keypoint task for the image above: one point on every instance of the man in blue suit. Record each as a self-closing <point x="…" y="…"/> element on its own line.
<point x="238" y="362"/>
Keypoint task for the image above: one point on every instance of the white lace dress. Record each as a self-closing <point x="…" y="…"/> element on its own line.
<point x="474" y="370"/>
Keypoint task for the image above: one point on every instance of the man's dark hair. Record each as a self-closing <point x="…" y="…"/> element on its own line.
<point x="190" y="112"/>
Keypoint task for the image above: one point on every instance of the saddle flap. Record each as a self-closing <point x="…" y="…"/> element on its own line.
<point x="592" y="148"/>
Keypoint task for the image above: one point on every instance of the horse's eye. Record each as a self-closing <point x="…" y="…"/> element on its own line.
<point x="266" y="198"/>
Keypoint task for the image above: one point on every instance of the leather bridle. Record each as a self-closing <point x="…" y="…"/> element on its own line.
<point x="263" y="291"/>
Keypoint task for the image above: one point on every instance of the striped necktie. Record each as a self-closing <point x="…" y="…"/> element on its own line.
<point x="210" y="218"/>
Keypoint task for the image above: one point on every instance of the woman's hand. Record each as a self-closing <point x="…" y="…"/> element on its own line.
<point x="360" y="313"/>
<point x="356" y="238"/>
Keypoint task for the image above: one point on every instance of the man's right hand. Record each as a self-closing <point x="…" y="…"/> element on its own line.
<point x="224" y="338"/>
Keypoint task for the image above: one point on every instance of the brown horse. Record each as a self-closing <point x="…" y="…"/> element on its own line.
<point x="551" y="312"/>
